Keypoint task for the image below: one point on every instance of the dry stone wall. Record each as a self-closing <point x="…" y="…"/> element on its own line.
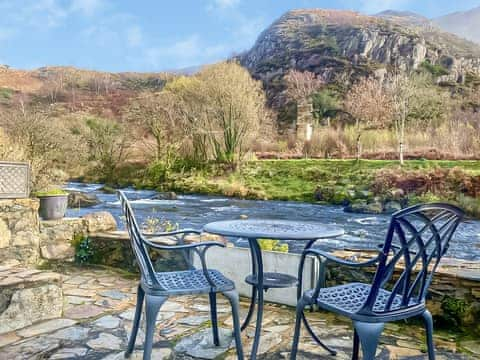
<point x="26" y="239"/>
<point x="19" y="230"/>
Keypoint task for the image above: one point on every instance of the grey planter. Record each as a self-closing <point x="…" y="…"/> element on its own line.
<point x="53" y="207"/>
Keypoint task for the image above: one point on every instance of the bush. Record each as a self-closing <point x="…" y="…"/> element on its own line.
<point x="434" y="69"/>
<point x="272" y="245"/>
<point x="107" y="142"/>
<point x="444" y="182"/>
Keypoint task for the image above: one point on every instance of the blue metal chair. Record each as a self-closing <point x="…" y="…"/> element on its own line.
<point x="417" y="238"/>
<point x="155" y="287"/>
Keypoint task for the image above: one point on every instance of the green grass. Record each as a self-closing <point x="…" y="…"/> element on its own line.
<point x="6" y="93"/>
<point x="297" y="179"/>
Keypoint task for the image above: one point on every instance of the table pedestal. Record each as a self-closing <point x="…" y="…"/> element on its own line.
<point x="263" y="281"/>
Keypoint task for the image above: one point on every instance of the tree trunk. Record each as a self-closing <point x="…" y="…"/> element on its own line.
<point x="358" y="148"/>
<point x="401" y="153"/>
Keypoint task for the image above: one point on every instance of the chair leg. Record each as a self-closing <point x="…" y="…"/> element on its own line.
<point x="356" y="345"/>
<point x="213" y="316"/>
<point x="152" y="304"/>
<point x="427" y="318"/>
<point x="136" y="321"/>
<point x="296" y="334"/>
<point x="251" y="308"/>
<point x="232" y="296"/>
<point x="369" y="335"/>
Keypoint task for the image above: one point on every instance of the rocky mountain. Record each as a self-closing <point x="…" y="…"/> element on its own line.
<point x="465" y="24"/>
<point x="334" y="43"/>
<point x="405" y="17"/>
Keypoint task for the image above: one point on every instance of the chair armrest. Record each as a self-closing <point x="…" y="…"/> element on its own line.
<point x="330" y="257"/>
<point x="206" y="244"/>
<point x="175" y="232"/>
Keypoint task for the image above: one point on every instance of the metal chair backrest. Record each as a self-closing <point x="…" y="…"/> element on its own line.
<point x="138" y="242"/>
<point x="417" y="236"/>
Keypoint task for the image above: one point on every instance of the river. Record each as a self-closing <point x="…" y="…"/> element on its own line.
<point x="361" y="231"/>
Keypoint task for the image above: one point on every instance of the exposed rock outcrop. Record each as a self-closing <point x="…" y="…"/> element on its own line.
<point x="334" y="43"/>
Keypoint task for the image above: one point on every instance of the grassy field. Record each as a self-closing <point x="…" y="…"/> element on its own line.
<point x="298" y="179"/>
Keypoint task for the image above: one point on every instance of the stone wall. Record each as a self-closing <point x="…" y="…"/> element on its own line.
<point x="19" y="230"/>
<point x="28" y="296"/>
<point x="27" y="239"/>
<point x="56" y="236"/>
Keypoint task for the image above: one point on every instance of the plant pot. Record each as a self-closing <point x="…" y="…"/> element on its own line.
<point x="53" y="207"/>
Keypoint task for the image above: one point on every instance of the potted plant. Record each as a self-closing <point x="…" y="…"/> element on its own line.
<point x="53" y="204"/>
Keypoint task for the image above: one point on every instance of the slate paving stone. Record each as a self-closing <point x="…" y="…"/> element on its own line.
<point x="78" y="300"/>
<point x="45" y="327"/>
<point x="79" y="292"/>
<point x="69" y="353"/>
<point x="200" y="344"/>
<point x="8" y="338"/>
<point x="105" y="341"/>
<point x="99" y="309"/>
<point x="108" y="322"/>
<point x="74" y="333"/>
<point x="114" y="294"/>
<point x="83" y="311"/>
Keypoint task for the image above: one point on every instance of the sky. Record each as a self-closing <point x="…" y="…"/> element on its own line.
<point x="157" y="35"/>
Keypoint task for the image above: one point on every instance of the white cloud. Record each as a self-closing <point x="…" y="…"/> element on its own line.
<point x="375" y="6"/>
<point x="134" y="36"/>
<point x="42" y="14"/>
<point x="6" y="34"/>
<point x="189" y="51"/>
<point x="87" y="7"/>
<point x="223" y="4"/>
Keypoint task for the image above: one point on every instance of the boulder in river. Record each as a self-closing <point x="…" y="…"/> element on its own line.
<point x="170" y="195"/>
<point x="82" y="199"/>
<point x="392" y="206"/>
<point x="364" y="207"/>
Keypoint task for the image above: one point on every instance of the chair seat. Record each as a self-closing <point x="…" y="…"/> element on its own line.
<point x="190" y="282"/>
<point x="348" y="299"/>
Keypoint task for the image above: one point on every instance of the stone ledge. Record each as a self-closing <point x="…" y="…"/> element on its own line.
<point x="28" y="296"/>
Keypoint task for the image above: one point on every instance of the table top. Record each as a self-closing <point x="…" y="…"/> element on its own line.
<point x="273" y="229"/>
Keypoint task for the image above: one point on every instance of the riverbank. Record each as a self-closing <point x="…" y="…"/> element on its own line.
<point x="371" y="186"/>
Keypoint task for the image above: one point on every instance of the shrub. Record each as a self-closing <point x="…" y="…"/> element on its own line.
<point x="272" y="245"/>
<point x="434" y="69"/>
<point x="444" y="182"/>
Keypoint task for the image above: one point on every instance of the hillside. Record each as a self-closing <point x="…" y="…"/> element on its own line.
<point x="464" y="24"/>
<point x="70" y="89"/>
<point x="334" y="43"/>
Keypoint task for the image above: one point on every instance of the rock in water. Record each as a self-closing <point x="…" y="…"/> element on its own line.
<point x="81" y="199"/>
<point x="364" y="207"/>
<point x="170" y="195"/>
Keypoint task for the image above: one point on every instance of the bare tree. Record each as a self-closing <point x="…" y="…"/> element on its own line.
<point x="45" y="142"/>
<point x="221" y="111"/>
<point x="416" y="103"/>
<point x="54" y="85"/>
<point x="158" y="113"/>
<point x="107" y="142"/>
<point x="302" y="85"/>
<point x="370" y="105"/>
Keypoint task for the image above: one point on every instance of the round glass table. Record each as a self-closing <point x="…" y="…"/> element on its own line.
<point x="256" y="229"/>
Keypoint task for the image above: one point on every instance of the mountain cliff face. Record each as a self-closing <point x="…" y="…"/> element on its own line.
<point x="465" y="24"/>
<point x="335" y="43"/>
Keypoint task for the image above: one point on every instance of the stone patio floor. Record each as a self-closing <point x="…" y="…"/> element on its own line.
<point x="98" y="312"/>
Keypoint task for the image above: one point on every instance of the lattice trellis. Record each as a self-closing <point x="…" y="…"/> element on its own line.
<point x="14" y="180"/>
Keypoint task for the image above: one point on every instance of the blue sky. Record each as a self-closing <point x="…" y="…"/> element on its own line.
<point x="155" y="35"/>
